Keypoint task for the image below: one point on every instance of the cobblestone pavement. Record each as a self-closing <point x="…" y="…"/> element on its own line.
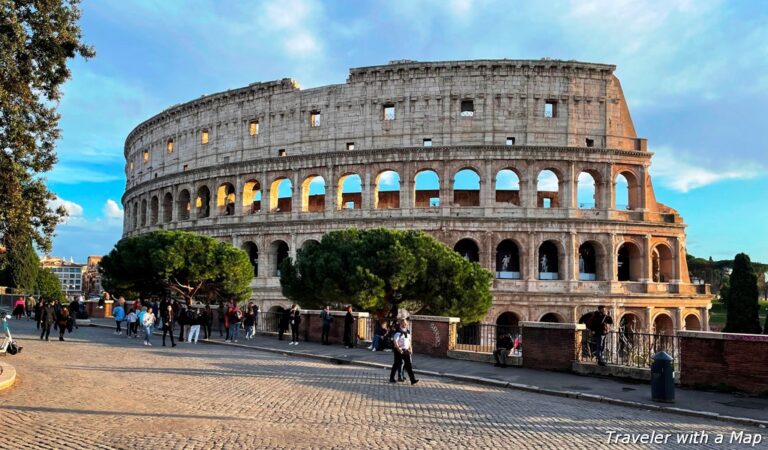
<point x="97" y="390"/>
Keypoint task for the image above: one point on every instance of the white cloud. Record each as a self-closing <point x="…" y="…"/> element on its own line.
<point x="507" y="180"/>
<point x="547" y="182"/>
<point x="678" y="170"/>
<point x="75" y="174"/>
<point x="112" y="210"/>
<point x="389" y="179"/>
<point x="74" y="211"/>
<point x="302" y="43"/>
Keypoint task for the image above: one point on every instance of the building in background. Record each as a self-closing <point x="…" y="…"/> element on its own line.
<point x="69" y="272"/>
<point x="92" y="277"/>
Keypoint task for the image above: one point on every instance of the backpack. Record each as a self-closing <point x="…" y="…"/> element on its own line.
<point x="13" y="348"/>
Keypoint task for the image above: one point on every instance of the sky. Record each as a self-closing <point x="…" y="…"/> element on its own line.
<point x="694" y="73"/>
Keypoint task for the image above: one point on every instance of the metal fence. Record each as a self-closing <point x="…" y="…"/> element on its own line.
<point x="481" y="337"/>
<point x="268" y="322"/>
<point x="629" y="348"/>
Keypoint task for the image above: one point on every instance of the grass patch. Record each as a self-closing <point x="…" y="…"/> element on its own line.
<point x="718" y="313"/>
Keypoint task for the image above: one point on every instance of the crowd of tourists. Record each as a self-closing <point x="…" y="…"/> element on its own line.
<point x="49" y="314"/>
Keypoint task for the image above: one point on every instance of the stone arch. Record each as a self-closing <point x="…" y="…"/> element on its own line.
<point x="154" y="210"/>
<point x="548" y="187"/>
<point x="426" y="189"/>
<point x="662" y="264"/>
<point x="278" y="250"/>
<point x="468" y="249"/>
<point x="630" y="323"/>
<point x="253" y="255"/>
<point x="281" y="195"/>
<point x="184" y="205"/>
<point x="252" y="196"/>
<point x="588" y="190"/>
<point x="692" y="322"/>
<point x="508" y="322"/>
<point x="549" y="260"/>
<point x="203" y="202"/>
<point x="386" y="191"/>
<point x="135" y="215"/>
<point x="309" y="243"/>
<point x="349" y="191"/>
<point x="508" y="186"/>
<point x="226" y="199"/>
<point x="508" y="260"/>
<point x="629" y="266"/>
<point x="167" y="207"/>
<point x="627" y="190"/>
<point x="144" y="212"/>
<point x="552" y="317"/>
<point x="592" y="261"/>
<point x="313" y="194"/>
<point x="663" y="324"/>
<point x="469" y="180"/>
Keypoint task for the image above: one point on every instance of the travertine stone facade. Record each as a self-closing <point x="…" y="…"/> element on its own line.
<point x="215" y="165"/>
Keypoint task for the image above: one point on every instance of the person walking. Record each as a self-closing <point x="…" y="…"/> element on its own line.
<point x="19" y="307"/>
<point x="504" y="345"/>
<point x="193" y="320"/>
<point x="31" y="303"/>
<point x="295" y="322"/>
<point x="131" y="321"/>
<point x="74" y="308"/>
<point x="148" y="322"/>
<point x="47" y="317"/>
<point x="285" y="320"/>
<point x="326" y="317"/>
<point x="168" y="324"/>
<point x="403" y="353"/>
<point x="206" y="320"/>
<point x="600" y="324"/>
<point x="234" y="317"/>
<point x="39" y="311"/>
<point x="119" y="314"/>
<point x="62" y="321"/>
<point x="249" y="321"/>
<point x="349" y="321"/>
<point x="180" y="314"/>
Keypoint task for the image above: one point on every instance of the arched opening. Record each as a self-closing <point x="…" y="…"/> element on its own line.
<point x="154" y="210"/>
<point x="508" y="322"/>
<point x="167" y="207"/>
<point x="547" y="189"/>
<point x="270" y="320"/>
<point x="280" y="195"/>
<point x="426" y="189"/>
<point x="508" y="187"/>
<point x="587" y="262"/>
<point x="586" y="191"/>
<point x="144" y="212"/>
<point x="629" y="324"/>
<point x="468" y="249"/>
<point x="309" y="243"/>
<point x="663" y="267"/>
<point x="663" y="325"/>
<point x="279" y="251"/>
<point x="629" y="266"/>
<point x="135" y="216"/>
<point x="253" y="256"/>
<point x="548" y="261"/>
<point x="386" y="192"/>
<point x="466" y="188"/>
<point x="313" y="194"/>
<point x="349" y="192"/>
<point x="252" y="197"/>
<point x="507" y="260"/>
<point x="627" y="191"/>
<point x="184" y="205"/>
<point x="552" y="318"/>
<point x="692" y="323"/>
<point x="203" y="202"/>
<point x="225" y="199"/>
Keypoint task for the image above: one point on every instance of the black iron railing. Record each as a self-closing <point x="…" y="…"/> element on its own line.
<point x="630" y="348"/>
<point x="482" y="337"/>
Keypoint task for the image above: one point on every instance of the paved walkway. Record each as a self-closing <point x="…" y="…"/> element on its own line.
<point x="564" y="384"/>
<point x="98" y="390"/>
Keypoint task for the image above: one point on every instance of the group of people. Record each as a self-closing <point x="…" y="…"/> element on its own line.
<point x="49" y="313"/>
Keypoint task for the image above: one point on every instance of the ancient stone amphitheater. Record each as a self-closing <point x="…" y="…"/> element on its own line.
<point x="531" y="168"/>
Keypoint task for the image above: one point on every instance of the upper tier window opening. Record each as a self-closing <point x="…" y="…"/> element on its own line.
<point x="467" y="108"/>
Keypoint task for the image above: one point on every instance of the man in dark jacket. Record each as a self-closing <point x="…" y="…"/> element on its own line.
<point x="600" y="324"/>
<point x="285" y="320"/>
<point x="327" y="318"/>
<point x="47" y="318"/>
<point x="349" y="321"/>
<point x="504" y="344"/>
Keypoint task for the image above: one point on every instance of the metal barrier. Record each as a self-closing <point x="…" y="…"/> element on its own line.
<point x="630" y="348"/>
<point x="268" y="322"/>
<point x="481" y="337"/>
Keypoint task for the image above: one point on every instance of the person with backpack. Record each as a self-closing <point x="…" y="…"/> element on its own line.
<point x="295" y="322"/>
<point x="403" y="353"/>
<point x="193" y="320"/>
<point x="233" y="318"/>
<point x="326" y="317"/>
<point x="600" y="325"/>
<point x="119" y="314"/>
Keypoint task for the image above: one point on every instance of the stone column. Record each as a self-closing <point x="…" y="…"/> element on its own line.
<point x="533" y="258"/>
<point x="330" y="191"/>
<point x="648" y="319"/>
<point x="677" y="266"/>
<point x="296" y="193"/>
<point x="612" y="259"/>
<point x="570" y="188"/>
<point x="647" y="276"/>
<point x="705" y="318"/>
<point x="572" y="260"/>
<point x="679" y="324"/>
<point x="643" y="188"/>
<point x="407" y="184"/>
<point x="367" y="190"/>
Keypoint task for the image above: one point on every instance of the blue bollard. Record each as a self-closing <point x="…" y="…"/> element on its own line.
<point x="662" y="378"/>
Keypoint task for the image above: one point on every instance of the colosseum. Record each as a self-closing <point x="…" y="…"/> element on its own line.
<point x="531" y="168"/>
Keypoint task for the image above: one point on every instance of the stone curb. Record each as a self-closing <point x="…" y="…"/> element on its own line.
<point x="7" y="376"/>
<point x="506" y="385"/>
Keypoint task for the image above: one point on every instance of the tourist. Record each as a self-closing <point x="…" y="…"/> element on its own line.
<point x="132" y="319"/>
<point x="403" y="353"/>
<point x="206" y="320"/>
<point x="19" y="307"/>
<point x="140" y="317"/>
<point x="285" y="320"/>
<point x="193" y="320"/>
<point x="39" y="311"/>
<point x="600" y="324"/>
<point x="249" y="321"/>
<point x="47" y="318"/>
<point x="255" y="318"/>
<point x="74" y="309"/>
<point x="119" y="314"/>
<point x="222" y="318"/>
<point x="233" y="318"/>
<point x="148" y="321"/>
<point x="31" y="303"/>
<point x="295" y="322"/>
<point x="180" y="314"/>
<point x="379" y="332"/>
<point x="504" y="344"/>
<point x="63" y="321"/>
<point x="326" y="317"/>
<point x="349" y="321"/>
<point x="168" y="323"/>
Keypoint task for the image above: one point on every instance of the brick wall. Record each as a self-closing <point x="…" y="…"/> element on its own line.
<point x="312" y="326"/>
<point x="724" y="361"/>
<point x="432" y="335"/>
<point x="550" y="346"/>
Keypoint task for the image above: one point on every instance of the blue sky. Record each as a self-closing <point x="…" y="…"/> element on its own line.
<point x="695" y="74"/>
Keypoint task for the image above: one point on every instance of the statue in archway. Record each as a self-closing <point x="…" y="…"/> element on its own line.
<point x="505" y="262"/>
<point x="543" y="264"/>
